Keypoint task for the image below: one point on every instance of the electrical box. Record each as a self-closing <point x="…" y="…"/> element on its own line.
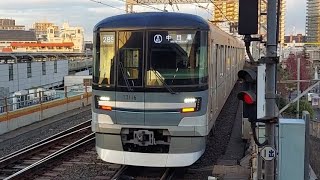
<point x="291" y="143"/>
<point x="248" y="17"/>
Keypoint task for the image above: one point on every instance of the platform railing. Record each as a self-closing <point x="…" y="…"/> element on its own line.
<point x="13" y="103"/>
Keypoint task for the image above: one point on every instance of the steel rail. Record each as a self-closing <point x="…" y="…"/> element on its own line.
<point x="168" y="174"/>
<point x="83" y="141"/>
<point x="72" y="129"/>
<point x="119" y="172"/>
<point x="34" y="149"/>
<point x="46" y="144"/>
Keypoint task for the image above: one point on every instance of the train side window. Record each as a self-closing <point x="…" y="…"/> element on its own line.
<point x="222" y="59"/>
<point x="103" y="71"/>
<point x="130" y="58"/>
<point x="233" y="57"/>
<point x="236" y="55"/>
<point x="218" y="59"/>
<point x="228" y="59"/>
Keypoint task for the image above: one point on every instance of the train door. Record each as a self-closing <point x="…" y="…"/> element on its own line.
<point x="214" y="102"/>
<point x="129" y="93"/>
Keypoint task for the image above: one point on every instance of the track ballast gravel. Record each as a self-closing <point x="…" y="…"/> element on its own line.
<point x="218" y="142"/>
<point x="33" y="136"/>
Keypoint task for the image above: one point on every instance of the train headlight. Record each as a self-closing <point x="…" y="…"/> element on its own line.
<point x="190" y="100"/>
<point x="103" y="102"/>
<point x="104" y="98"/>
<point x="194" y="104"/>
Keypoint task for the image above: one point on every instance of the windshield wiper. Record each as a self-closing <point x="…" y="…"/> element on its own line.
<point x="125" y="77"/>
<point x="163" y="82"/>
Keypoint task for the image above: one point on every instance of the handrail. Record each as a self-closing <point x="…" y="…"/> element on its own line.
<point x="38" y="97"/>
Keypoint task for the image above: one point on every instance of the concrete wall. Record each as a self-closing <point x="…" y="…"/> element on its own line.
<point x="21" y="81"/>
<point x="12" y="120"/>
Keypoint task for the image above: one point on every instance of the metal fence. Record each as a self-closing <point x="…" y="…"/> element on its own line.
<point x="27" y="98"/>
<point x="315" y="128"/>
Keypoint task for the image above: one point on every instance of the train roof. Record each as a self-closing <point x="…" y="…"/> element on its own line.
<point x="153" y="20"/>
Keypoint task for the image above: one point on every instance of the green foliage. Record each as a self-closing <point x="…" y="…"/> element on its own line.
<point x="281" y="102"/>
<point x="304" y="106"/>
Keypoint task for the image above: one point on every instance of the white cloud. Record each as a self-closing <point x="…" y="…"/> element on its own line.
<point x="104" y="10"/>
<point x="295" y="16"/>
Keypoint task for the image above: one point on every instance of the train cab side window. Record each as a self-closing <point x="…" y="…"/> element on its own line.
<point x="103" y="71"/>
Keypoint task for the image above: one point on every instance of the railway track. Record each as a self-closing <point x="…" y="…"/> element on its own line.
<point x="29" y="159"/>
<point x="143" y="173"/>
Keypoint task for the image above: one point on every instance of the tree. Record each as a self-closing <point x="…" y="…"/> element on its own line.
<point x="283" y="88"/>
<point x="304" y="105"/>
<point x="305" y="73"/>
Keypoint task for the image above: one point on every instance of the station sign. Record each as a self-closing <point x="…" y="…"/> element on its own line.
<point x="268" y="153"/>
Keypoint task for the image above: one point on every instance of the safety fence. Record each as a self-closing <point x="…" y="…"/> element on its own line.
<point x="315" y="128"/>
<point x="41" y="101"/>
<point x="37" y="96"/>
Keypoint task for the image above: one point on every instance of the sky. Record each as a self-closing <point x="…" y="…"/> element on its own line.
<point x="86" y="13"/>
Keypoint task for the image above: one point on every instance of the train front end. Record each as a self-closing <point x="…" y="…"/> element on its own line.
<point x="150" y="88"/>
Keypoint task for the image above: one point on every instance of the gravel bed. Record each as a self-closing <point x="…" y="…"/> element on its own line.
<point x="83" y="165"/>
<point x="218" y="142"/>
<point x="85" y="171"/>
<point x="33" y="136"/>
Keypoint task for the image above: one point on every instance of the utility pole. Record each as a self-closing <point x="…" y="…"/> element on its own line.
<point x="271" y="82"/>
<point x="298" y="87"/>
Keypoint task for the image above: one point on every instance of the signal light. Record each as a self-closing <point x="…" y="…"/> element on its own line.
<point x="248" y="95"/>
<point x="247" y="99"/>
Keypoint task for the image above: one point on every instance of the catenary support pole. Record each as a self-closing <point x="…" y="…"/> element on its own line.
<point x="306" y="117"/>
<point x="271" y="82"/>
<point x="298" y="87"/>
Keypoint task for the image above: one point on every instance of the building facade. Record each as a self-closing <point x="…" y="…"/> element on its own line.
<point x="228" y="11"/>
<point x="66" y="39"/>
<point x="26" y="41"/>
<point x="15" y="36"/>
<point x="299" y="38"/>
<point x="20" y="76"/>
<point x="67" y="34"/>
<point x="313" y="21"/>
<point x="10" y="24"/>
<point x="41" y="29"/>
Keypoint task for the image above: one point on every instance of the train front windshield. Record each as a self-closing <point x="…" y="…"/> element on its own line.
<point x="151" y="59"/>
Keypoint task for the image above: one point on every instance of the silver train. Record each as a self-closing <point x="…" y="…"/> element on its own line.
<point x="159" y="82"/>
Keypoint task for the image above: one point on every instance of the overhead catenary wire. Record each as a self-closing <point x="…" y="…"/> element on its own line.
<point x="105" y="4"/>
<point x="143" y="4"/>
<point x="155" y="8"/>
<point x="202" y="7"/>
<point x="205" y="8"/>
